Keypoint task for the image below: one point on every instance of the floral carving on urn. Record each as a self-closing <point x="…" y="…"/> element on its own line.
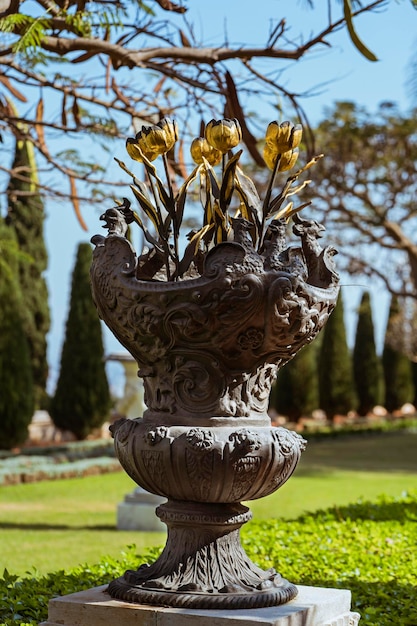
<point x="209" y="331"/>
<point x="221" y="457"/>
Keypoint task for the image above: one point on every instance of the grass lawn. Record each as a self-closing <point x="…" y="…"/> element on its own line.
<point x="340" y="471"/>
<point x="55" y="525"/>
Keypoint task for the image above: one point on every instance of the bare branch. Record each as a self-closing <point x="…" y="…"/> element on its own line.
<point x="188" y="79"/>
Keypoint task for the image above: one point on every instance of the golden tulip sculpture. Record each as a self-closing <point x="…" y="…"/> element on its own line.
<point x="201" y="149"/>
<point x="166" y="210"/>
<point x="283" y="137"/>
<point x="153" y="141"/>
<point x="281" y="146"/>
<point x="223" y="135"/>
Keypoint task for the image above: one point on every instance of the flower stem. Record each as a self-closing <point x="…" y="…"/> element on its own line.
<point x="267" y="199"/>
<point x="164" y="242"/>
<point x="174" y="217"/>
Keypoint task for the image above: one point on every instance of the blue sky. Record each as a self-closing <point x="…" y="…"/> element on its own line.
<point x="342" y="74"/>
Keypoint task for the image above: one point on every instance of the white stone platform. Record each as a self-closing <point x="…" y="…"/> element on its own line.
<point x="137" y="512"/>
<point x="314" y="606"/>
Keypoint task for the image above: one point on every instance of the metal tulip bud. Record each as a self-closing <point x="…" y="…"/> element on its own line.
<point x="270" y="156"/>
<point x="288" y="160"/>
<point x="296" y="135"/>
<point x="201" y="149"/>
<point x="152" y="141"/>
<point x="133" y="149"/>
<point x="138" y="147"/>
<point x="170" y="129"/>
<point x="284" y="136"/>
<point x="223" y="134"/>
<point x="158" y="139"/>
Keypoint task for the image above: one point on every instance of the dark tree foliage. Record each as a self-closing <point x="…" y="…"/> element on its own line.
<point x="365" y="191"/>
<point x="26" y="217"/>
<point x="16" y="384"/>
<point x="82" y="398"/>
<point x="296" y="392"/>
<point x="414" y="374"/>
<point x="336" y="389"/>
<point x="399" y="387"/>
<point x="367" y="371"/>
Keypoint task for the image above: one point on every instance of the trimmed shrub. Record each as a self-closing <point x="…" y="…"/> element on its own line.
<point x="25" y="216"/>
<point x="399" y="387"/>
<point x="335" y="367"/>
<point x="296" y="391"/>
<point x="29" y="469"/>
<point x="16" y="382"/>
<point x="82" y="397"/>
<point x="367" y="370"/>
<point x="414" y="375"/>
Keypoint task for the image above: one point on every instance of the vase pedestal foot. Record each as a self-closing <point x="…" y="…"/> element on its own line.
<point x="313" y="606"/>
<point x="203" y="564"/>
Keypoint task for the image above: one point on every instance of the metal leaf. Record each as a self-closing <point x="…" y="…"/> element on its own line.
<point x="213" y="179"/>
<point x="146" y="233"/>
<point x="249" y="194"/>
<point x="228" y="181"/>
<point x="166" y="199"/>
<point x="192" y="250"/>
<point x="147" y="207"/>
<point x="182" y="194"/>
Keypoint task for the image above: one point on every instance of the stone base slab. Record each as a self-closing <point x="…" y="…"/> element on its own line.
<point x="135" y="516"/>
<point x="313" y="606"/>
<point x="137" y="512"/>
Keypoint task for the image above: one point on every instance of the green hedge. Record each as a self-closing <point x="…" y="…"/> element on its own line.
<point x="71" y="450"/>
<point x="367" y="547"/>
<point x="361" y="427"/>
<point x="69" y="460"/>
<point x="29" y="472"/>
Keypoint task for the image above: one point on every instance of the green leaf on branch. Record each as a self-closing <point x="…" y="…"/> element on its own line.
<point x="31" y="31"/>
<point x="347" y="10"/>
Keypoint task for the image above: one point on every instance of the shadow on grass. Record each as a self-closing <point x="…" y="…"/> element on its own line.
<point x="388" y="452"/>
<point x="34" y="526"/>
<point x="316" y="471"/>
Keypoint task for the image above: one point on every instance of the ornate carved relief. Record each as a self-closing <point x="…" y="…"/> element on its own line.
<point x="222" y="464"/>
<point x="205" y="346"/>
<point x="196" y="539"/>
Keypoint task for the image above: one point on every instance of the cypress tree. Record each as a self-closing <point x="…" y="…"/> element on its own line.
<point x="414" y="376"/>
<point x="16" y="383"/>
<point x="399" y="387"/>
<point x="296" y="391"/>
<point x="82" y="398"/>
<point x="26" y="217"/>
<point x="367" y="369"/>
<point x="336" y="388"/>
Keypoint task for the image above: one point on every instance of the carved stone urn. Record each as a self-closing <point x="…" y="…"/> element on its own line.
<point x="208" y="346"/>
